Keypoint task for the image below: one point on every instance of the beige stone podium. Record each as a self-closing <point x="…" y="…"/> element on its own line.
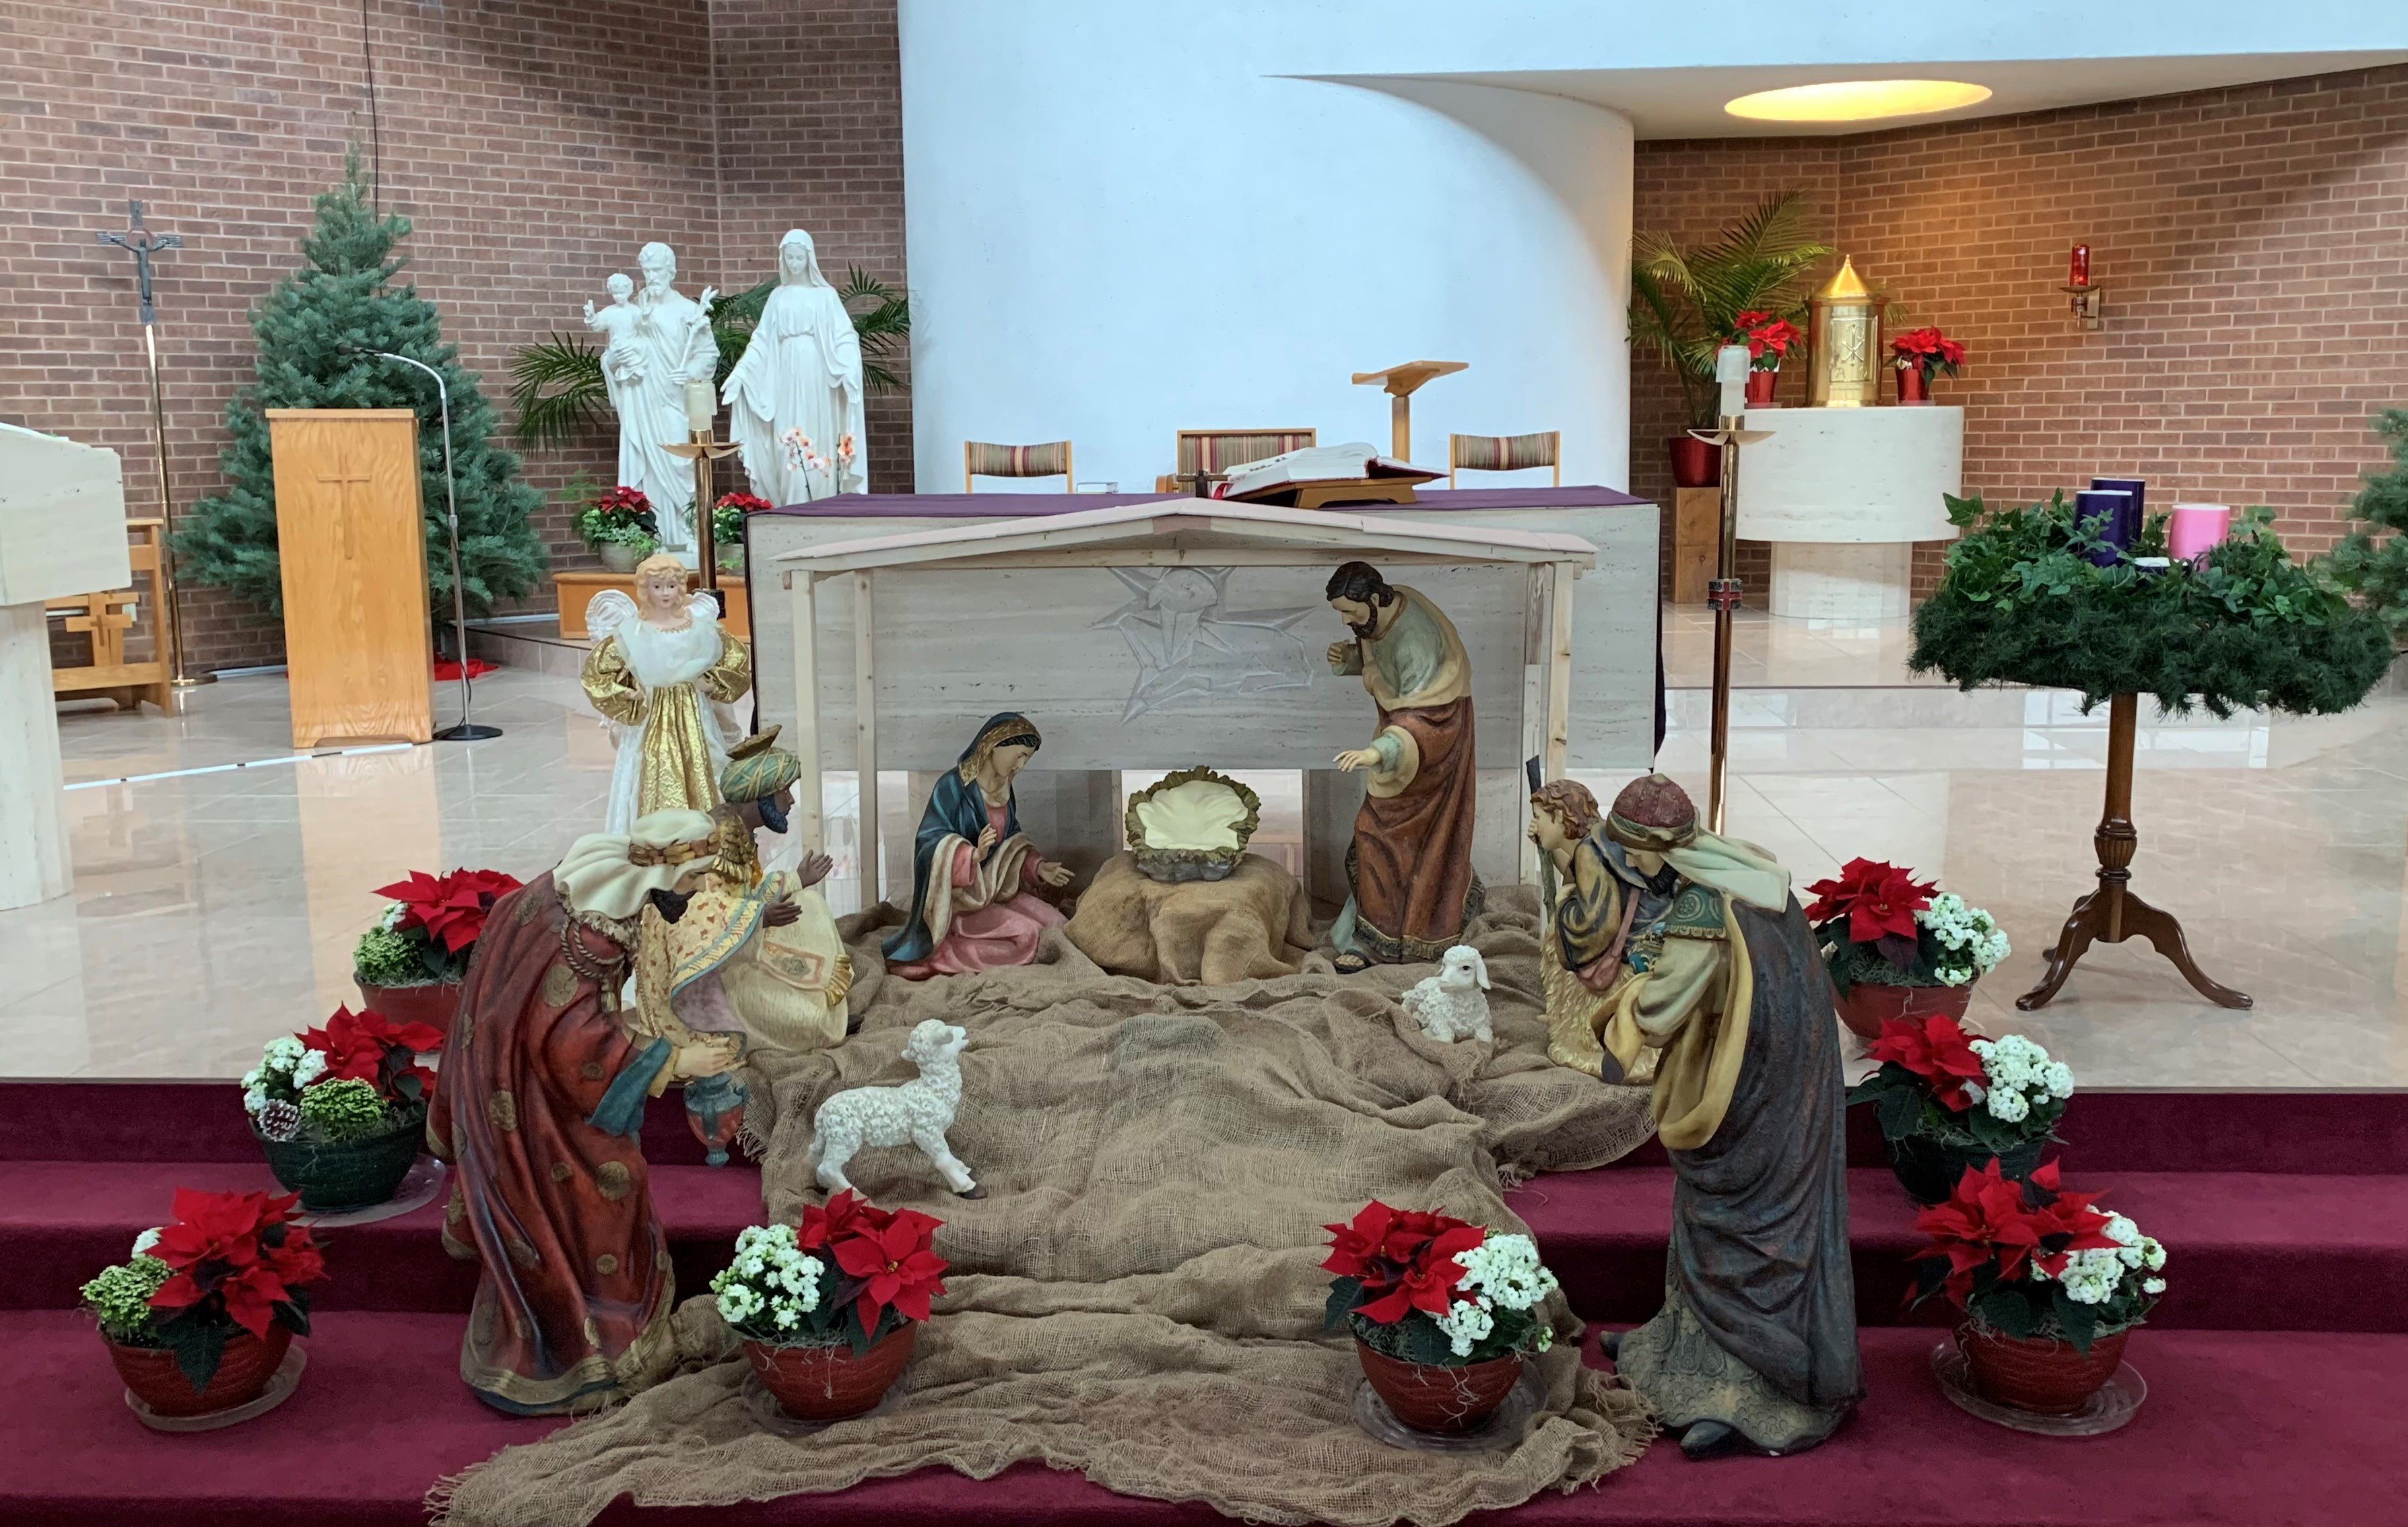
<point x="61" y="531"/>
<point x="352" y="540"/>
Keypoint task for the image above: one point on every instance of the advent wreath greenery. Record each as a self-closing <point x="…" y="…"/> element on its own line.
<point x="2241" y="627"/>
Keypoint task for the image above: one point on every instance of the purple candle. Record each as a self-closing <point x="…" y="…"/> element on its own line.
<point x="2139" y="488"/>
<point x="2113" y="516"/>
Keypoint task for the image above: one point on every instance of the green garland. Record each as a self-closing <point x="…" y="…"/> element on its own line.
<point x="2243" y="628"/>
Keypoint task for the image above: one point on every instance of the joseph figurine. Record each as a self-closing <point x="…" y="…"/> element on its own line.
<point x="1673" y="945"/>
<point x="1409" y="879"/>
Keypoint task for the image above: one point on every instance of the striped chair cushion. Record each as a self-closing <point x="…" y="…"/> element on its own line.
<point x="1051" y="459"/>
<point x="1218" y="450"/>
<point x="1502" y="452"/>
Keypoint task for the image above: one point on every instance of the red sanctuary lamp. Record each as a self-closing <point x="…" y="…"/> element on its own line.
<point x="2086" y="297"/>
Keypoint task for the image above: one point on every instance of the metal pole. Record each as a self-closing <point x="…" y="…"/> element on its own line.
<point x="465" y="730"/>
<point x="1721" y="596"/>
<point x="171" y="613"/>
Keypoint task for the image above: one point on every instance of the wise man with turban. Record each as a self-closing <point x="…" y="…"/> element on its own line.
<point x="539" y="1108"/>
<point x="752" y="958"/>
<point x="1669" y="945"/>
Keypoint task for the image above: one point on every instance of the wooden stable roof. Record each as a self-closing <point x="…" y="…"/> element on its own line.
<point x="1174" y="531"/>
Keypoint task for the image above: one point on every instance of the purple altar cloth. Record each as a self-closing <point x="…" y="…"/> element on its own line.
<point x="1018" y="506"/>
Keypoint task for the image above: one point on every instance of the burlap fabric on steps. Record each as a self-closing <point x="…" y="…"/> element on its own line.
<point x="1138" y="1296"/>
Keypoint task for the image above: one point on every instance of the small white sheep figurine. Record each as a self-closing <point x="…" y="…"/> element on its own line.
<point x="1453" y="1004"/>
<point x="916" y="1113"/>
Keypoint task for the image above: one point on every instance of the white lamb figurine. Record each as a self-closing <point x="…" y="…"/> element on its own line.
<point x="1452" y="1004"/>
<point x="916" y="1113"/>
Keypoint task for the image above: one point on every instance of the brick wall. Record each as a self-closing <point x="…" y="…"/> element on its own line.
<point x="2253" y="242"/>
<point x="536" y="144"/>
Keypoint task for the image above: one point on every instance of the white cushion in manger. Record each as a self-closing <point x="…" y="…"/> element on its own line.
<point x="1192" y="825"/>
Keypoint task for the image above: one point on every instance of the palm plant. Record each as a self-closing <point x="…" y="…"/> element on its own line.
<point x="1684" y="304"/>
<point x="557" y="388"/>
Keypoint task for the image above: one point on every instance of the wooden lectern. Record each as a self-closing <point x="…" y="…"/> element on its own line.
<point x="352" y="542"/>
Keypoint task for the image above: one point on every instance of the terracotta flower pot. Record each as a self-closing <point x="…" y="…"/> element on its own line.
<point x="830" y="1383"/>
<point x="1865" y="1007"/>
<point x="1912" y="385"/>
<point x="1695" y="463"/>
<point x="1760" y="385"/>
<point x="2045" y="1377"/>
<point x="242" y="1374"/>
<point x="434" y="1004"/>
<point x="1432" y="1397"/>
<point x="336" y="1177"/>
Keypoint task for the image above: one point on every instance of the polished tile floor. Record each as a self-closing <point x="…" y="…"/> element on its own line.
<point x="221" y="880"/>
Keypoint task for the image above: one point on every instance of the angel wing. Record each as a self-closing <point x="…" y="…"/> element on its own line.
<point x="607" y="613"/>
<point x="703" y="607"/>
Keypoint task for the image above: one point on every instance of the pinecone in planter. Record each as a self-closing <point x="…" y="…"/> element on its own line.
<point x="279" y="1120"/>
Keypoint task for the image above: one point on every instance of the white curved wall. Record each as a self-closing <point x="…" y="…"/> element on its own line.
<point x="1124" y="221"/>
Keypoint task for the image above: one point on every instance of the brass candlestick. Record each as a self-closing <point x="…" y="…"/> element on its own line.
<point x="703" y="450"/>
<point x="1723" y="594"/>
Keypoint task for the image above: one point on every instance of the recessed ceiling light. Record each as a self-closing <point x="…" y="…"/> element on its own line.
<point x="1857" y="100"/>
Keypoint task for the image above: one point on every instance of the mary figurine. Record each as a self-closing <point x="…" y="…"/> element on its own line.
<point x="972" y="868"/>
<point x="800" y="384"/>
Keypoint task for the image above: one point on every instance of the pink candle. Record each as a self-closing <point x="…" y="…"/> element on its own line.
<point x="2078" y="270"/>
<point x="2195" y="527"/>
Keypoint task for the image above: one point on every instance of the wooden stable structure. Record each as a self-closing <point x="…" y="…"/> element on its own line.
<point x="352" y="541"/>
<point x="106" y="618"/>
<point x="1170" y="534"/>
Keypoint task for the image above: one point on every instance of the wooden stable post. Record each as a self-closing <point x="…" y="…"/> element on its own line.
<point x="864" y="740"/>
<point x="1559" y="669"/>
<point x="811" y="825"/>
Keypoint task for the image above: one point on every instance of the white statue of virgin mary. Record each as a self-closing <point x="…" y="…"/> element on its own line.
<point x="794" y="399"/>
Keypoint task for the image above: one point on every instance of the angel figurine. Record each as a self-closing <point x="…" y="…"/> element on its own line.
<point x="664" y="675"/>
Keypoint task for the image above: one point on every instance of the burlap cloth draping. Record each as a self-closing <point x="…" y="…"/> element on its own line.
<point x="1138" y="1297"/>
<point x="1254" y="924"/>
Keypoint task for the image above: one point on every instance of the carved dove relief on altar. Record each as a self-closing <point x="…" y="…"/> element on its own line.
<point x="1189" y="646"/>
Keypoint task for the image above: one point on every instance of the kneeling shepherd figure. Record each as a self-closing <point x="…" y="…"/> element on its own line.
<point x="1670" y="944"/>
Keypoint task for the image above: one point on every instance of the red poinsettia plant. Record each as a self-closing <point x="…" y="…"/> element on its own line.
<point x="2035" y="1259"/>
<point x="228" y="1262"/>
<point x="370" y="1048"/>
<point x="1427" y="1288"/>
<point x="1926" y="350"/>
<point x="1939" y="1082"/>
<point x="1768" y="336"/>
<point x="727" y="512"/>
<point x="850" y="1274"/>
<point x="430" y="928"/>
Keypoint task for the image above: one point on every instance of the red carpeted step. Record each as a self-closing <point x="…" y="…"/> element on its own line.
<point x="63" y="1222"/>
<point x="2251" y="1251"/>
<point x="2240" y="1430"/>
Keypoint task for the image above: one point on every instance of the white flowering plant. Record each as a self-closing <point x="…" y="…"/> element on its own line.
<point x="849" y="1275"/>
<point x="1427" y="1288"/>
<point x="2036" y="1259"/>
<point x="354" y="1078"/>
<point x="1939" y="1082"/>
<point x="1878" y="925"/>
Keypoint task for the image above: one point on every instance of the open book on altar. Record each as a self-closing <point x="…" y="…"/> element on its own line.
<point x="1318" y="475"/>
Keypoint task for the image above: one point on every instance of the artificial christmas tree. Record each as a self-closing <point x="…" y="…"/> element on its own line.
<point x="2376" y="570"/>
<point x="318" y="330"/>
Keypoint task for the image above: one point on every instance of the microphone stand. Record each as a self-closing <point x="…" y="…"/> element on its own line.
<point x="465" y="731"/>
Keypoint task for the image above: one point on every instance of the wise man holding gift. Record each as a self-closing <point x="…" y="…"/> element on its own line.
<point x="1409" y="879"/>
<point x="539" y="1108"/>
<point x="1671" y="944"/>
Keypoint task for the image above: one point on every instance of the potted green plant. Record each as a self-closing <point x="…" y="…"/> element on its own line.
<point x="1443" y="1312"/>
<point x="2049" y="1286"/>
<point x="1685" y="305"/>
<point x="1897" y="947"/>
<point x="340" y="1111"/>
<point x="619" y="527"/>
<point x="728" y="527"/>
<point x="410" y="964"/>
<point x="1947" y="1100"/>
<point x="828" y="1312"/>
<point x="198" y="1320"/>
